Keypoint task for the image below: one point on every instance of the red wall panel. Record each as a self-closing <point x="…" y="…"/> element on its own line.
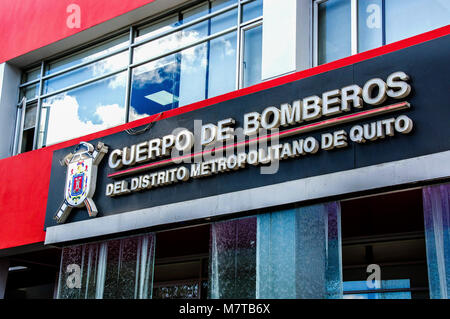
<point x="26" y="25"/>
<point x="25" y="178"/>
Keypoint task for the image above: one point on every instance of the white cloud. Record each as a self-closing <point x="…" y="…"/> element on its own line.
<point x="64" y="122"/>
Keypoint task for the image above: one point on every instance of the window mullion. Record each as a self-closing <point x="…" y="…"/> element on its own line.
<point x="238" y="48"/>
<point x="39" y="108"/>
<point x="20" y="120"/>
<point x="354" y="27"/>
<point x="129" y="75"/>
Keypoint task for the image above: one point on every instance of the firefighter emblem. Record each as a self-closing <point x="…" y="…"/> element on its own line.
<point x="81" y="178"/>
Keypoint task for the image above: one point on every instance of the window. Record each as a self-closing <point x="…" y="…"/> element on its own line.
<point x="194" y="58"/>
<point x="383" y="247"/>
<point x="194" y="53"/>
<point x="181" y="263"/>
<point x="344" y="27"/>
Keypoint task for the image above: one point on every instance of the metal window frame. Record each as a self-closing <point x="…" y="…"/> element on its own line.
<point x="254" y="23"/>
<point x="20" y="121"/>
<point x="353" y="29"/>
<point x="130" y="46"/>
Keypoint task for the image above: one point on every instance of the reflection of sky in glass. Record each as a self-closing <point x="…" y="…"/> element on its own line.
<point x="83" y="110"/>
<point x="156" y="76"/>
<point x="402" y="19"/>
<point x="96" y="69"/>
<point x="192" y="74"/>
<point x="220" y="4"/>
<point x="370" y="31"/>
<point x="30" y="92"/>
<point x="384" y="284"/>
<point x="334" y="30"/>
<point x="417" y="16"/>
<point x="185" y="36"/>
<point x="31" y="75"/>
<point x="88" y="55"/>
<point x="252" y="10"/>
<point x="186" y="76"/>
<point x="157" y="28"/>
<point x="252" y="56"/>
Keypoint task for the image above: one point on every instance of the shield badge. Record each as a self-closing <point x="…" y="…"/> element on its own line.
<point x="78" y="181"/>
<point x="81" y="178"/>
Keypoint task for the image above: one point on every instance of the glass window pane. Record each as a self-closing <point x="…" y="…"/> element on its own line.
<point x="222" y="65"/>
<point x="334" y="30"/>
<point x="30" y="117"/>
<point x="187" y="36"/>
<point x="73" y="259"/>
<point x="299" y="253"/>
<point x="405" y="19"/>
<point x="193" y="74"/>
<point x="129" y="268"/>
<point x="84" y="110"/>
<point x="115" y="269"/>
<point x="371" y="293"/>
<point x="175" y="40"/>
<point x="252" y="10"/>
<point x="88" y="54"/>
<point x="184" y="77"/>
<point x="370" y="24"/>
<point x="233" y="256"/>
<point x="157" y="47"/>
<point x="30" y="92"/>
<point x="252" y="56"/>
<point x="31" y="75"/>
<point x="157" y="28"/>
<point x="195" y="13"/>
<point x="93" y="70"/>
<point x="224" y="21"/>
<point x="198" y="30"/>
<point x="220" y="4"/>
<point x="155" y="87"/>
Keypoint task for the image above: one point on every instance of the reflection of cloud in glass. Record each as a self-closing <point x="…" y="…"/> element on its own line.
<point x="150" y="72"/>
<point x="110" y="64"/>
<point x="171" y="42"/>
<point x="135" y="115"/>
<point x="156" y="30"/>
<point x="104" y="52"/>
<point x="228" y="47"/>
<point x="194" y="58"/>
<point x="65" y="123"/>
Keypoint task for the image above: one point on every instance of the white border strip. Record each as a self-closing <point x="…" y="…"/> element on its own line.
<point x="412" y="170"/>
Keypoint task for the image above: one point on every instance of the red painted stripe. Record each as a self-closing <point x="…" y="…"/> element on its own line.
<point x="296" y="130"/>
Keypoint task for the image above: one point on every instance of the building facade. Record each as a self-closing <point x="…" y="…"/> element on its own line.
<point x="225" y="149"/>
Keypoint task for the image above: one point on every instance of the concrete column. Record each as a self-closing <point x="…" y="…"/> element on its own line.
<point x="9" y="83"/>
<point x="286" y="37"/>
<point x="4" y="266"/>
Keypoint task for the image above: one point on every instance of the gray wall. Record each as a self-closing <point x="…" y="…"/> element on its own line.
<point x="9" y="82"/>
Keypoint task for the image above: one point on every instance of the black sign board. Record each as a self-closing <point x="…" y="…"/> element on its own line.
<point x="426" y="65"/>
